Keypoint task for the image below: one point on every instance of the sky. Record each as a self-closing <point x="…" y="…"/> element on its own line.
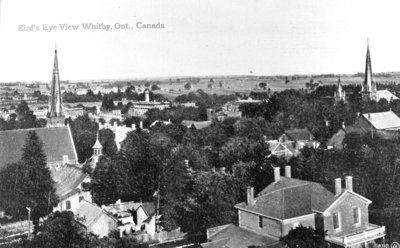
<point x="199" y="38"/>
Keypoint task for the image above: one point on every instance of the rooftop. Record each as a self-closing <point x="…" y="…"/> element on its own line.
<point x="67" y="180"/>
<point x="383" y="120"/>
<point x="289" y="198"/>
<point x="299" y="134"/>
<point x="57" y="141"/>
<point x="236" y="237"/>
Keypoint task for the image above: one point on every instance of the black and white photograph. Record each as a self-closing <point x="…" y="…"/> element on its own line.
<point x="199" y="124"/>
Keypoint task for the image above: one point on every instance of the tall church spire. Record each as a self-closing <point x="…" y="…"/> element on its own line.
<point x="55" y="101"/>
<point x="368" y="87"/>
<point x="55" y="94"/>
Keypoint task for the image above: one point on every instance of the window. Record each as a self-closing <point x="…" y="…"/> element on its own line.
<point x="80" y="198"/>
<point x="65" y="158"/>
<point x="336" y="221"/>
<point x="356" y="215"/>
<point x="260" y="222"/>
<point x="68" y="203"/>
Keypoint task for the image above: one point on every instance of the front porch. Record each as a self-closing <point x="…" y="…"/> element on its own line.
<point x="372" y="232"/>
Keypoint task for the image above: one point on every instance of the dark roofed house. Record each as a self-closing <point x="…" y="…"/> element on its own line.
<point x="287" y="203"/>
<point x="300" y="138"/>
<point x="58" y="145"/>
<point x="69" y="181"/>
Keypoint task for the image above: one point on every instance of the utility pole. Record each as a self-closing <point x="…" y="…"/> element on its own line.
<point x="29" y="222"/>
<point x="158" y="208"/>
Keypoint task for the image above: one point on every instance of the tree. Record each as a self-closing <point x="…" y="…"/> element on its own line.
<point x="61" y="230"/>
<point x="304" y="237"/>
<point x="107" y="104"/>
<point x="84" y="132"/>
<point x="28" y="183"/>
<point x="155" y="87"/>
<point x="188" y="86"/>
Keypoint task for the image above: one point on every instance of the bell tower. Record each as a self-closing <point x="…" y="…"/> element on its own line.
<point x="97" y="151"/>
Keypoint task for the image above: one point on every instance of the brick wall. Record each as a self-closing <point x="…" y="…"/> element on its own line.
<point x="345" y="207"/>
<point x="251" y="221"/>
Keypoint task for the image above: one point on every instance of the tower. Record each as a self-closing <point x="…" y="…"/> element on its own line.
<point x="55" y="114"/>
<point x="97" y="151"/>
<point x="368" y="91"/>
<point x="340" y="94"/>
<point x="146" y="95"/>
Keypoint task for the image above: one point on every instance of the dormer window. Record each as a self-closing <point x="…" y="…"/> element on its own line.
<point x="65" y="159"/>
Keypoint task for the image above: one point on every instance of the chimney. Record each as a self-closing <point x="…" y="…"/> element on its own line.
<point x="343" y="125"/>
<point x="250" y="196"/>
<point x="277" y="174"/>
<point x="288" y="172"/>
<point x="338" y="186"/>
<point x="141" y="124"/>
<point x="349" y="183"/>
<point x="186" y="162"/>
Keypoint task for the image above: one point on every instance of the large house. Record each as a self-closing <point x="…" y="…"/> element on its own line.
<point x="287" y="203"/>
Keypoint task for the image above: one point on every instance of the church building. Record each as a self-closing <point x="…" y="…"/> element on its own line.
<point x="369" y="90"/>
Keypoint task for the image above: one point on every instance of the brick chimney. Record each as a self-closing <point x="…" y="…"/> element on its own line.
<point x="349" y="183"/>
<point x="288" y="172"/>
<point x="277" y="174"/>
<point x="186" y="162"/>
<point x="250" y="196"/>
<point x="338" y="186"/>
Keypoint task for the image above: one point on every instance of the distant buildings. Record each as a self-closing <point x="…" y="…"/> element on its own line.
<point x="291" y="142"/>
<point x="385" y="125"/>
<point x="288" y="203"/>
<point x="140" y="108"/>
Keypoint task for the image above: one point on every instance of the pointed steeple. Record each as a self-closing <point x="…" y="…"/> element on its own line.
<point x="368" y="85"/>
<point x="55" y="102"/>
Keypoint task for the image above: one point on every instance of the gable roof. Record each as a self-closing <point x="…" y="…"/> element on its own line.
<point x="67" y="179"/>
<point x="342" y="196"/>
<point x="57" y="141"/>
<point x="385" y="94"/>
<point x="299" y="134"/>
<point x="289" y="198"/>
<point x="86" y="213"/>
<point x="197" y="124"/>
<point x="383" y="120"/>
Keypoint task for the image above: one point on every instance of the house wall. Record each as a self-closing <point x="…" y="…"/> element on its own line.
<point x="141" y="216"/>
<point x="74" y="199"/>
<point x="363" y="124"/>
<point x="306" y="221"/>
<point x="345" y="208"/>
<point x="102" y="225"/>
<point x="251" y="221"/>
